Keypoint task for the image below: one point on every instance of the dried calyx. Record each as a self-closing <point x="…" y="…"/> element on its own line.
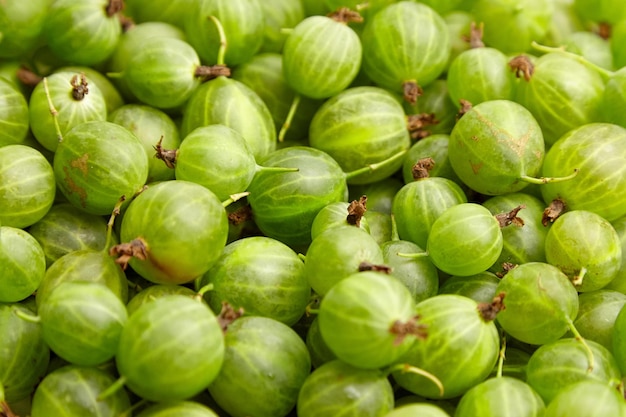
<point x="422" y="168"/>
<point x="166" y="155"/>
<point x="114" y="7"/>
<point x="240" y="216"/>
<point x="465" y="107"/>
<point x="367" y="266"/>
<point x="475" y="38"/>
<point x="80" y="87"/>
<point x="206" y="73"/>
<point x="506" y="267"/>
<point x="488" y="311"/>
<point x="506" y="219"/>
<point x="522" y="66"/>
<point x="553" y="211"/>
<point x="356" y="210"/>
<point x="228" y="314"/>
<point x="345" y="15"/>
<point x="417" y="124"/>
<point x="136" y="248"/>
<point x="411" y="327"/>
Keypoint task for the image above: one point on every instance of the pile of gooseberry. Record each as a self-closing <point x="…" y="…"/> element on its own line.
<point x="312" y="208"/>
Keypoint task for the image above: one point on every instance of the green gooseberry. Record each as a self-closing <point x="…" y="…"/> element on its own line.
<point x="585" y="247"/>
<point x="231" y="103"/>
<point x="460" y="350"/>
<point x="84" y="33"/>
<point x="263" y="276"/>
<point x="541" y="303"/>
<point x="81" y="388"/>
<point x="421" y="47"/>
<point x="14" y="120"/>
<point x="368" y="320"/>
<point x="82" y="322"/>
<point x="243" y="24"/>
<point x="556" y="365"/>
<point x="22" y="264"/>
<point x="27" y="186"/>
<point x="321" y="56"/>
<point x="597" y="311"/>
<point x="497" y="147"/>
<point x="361" y="126"/>
<point x="336" y="387"/>
<point x="76" y="100"/>
<point x="162" y="253"/>
<point x="97" y="163"/>
<point x="336" y="254"/>
<point x="263" y="358"/>
<point x="597" y="151"/>
<point x="501" y="396"/>
<point x="24" y="357"/>
<point x="465" y="240"/>
<point x="170" y="349"/>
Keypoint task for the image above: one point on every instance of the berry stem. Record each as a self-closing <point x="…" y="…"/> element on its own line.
<point x="578" y="278"/>
<point x="53" y="110"/>
<point x="130" y="410"/>
<point x="577" y="335"/>
<point x="395" y="236"/>
<point x="221" y="52"/>
<point x="545" y="180"/>
<point x="413" y="255"/>
<point x="276" y="169"/>
<point x="501" y="357"/>
<point x="203" y="290"/>
<point x="26" y="316"/>
<point x="606" y="74"/>
<point x="405" y="367"/>
<point x="116" y="211"/>
<point x="235" y="197"/>
<point x="373" y="167"/>
<point x="113" y="388"/>
<point x="5" y="410"/>
<point x="295" y="103"/>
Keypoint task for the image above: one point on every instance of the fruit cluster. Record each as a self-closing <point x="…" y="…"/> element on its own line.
<point x="312" y="208"/>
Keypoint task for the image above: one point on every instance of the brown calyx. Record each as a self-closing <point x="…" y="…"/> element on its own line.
<point x="28" y="77"/>
<point x="505" y="219"/>
<point x="80" y="87"/>
<point x="488" y="311"/>
<point x="114" y="7"/>
<point x="465" y="107"/>
<point x="345" y="15"/>
<point x="522" y="66"/>
<point x="166" y="155"/>
<point x="228" y="314"/>
<point x="506" y="267"/>
<point x="136" y="248"/>
<point x="475" y="38"/>
<point x="604" y="30"/>
<point x="241" y="215"/>
<point x="356" y="210"/>
<point x="411" y="91"/>
<point x="368" y="266"/>
<point x="411" y="327"/>
<point x="553" y="211"/>
<point x="422" y="168"/>
<point x="208" y="72"/>
<point x="417" y="124"/>
<point x="127" y="22"/>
